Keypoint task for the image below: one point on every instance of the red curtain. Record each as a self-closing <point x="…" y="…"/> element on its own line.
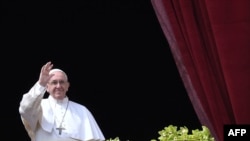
<point x="210" y="42"/>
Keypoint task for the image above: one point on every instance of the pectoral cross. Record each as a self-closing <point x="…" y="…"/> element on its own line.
<point x="60" y="129"/>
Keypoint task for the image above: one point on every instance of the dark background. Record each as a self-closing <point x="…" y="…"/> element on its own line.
<point x="115" y="54"/>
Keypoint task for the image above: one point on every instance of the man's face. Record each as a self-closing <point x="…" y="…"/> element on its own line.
<point x="58" y="85"/>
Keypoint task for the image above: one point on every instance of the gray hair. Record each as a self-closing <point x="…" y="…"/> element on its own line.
<point x="54" y="70"/>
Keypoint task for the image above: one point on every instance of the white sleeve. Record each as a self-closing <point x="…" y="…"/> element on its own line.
<point x="30" y="107"/>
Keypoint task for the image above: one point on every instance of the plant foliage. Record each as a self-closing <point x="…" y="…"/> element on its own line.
<point x="173" y="133"/>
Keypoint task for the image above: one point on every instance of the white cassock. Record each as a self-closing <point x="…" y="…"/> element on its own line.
<point x="43" y="117"/>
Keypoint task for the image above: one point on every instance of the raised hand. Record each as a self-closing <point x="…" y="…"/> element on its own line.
<point x="44" y="74"/>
